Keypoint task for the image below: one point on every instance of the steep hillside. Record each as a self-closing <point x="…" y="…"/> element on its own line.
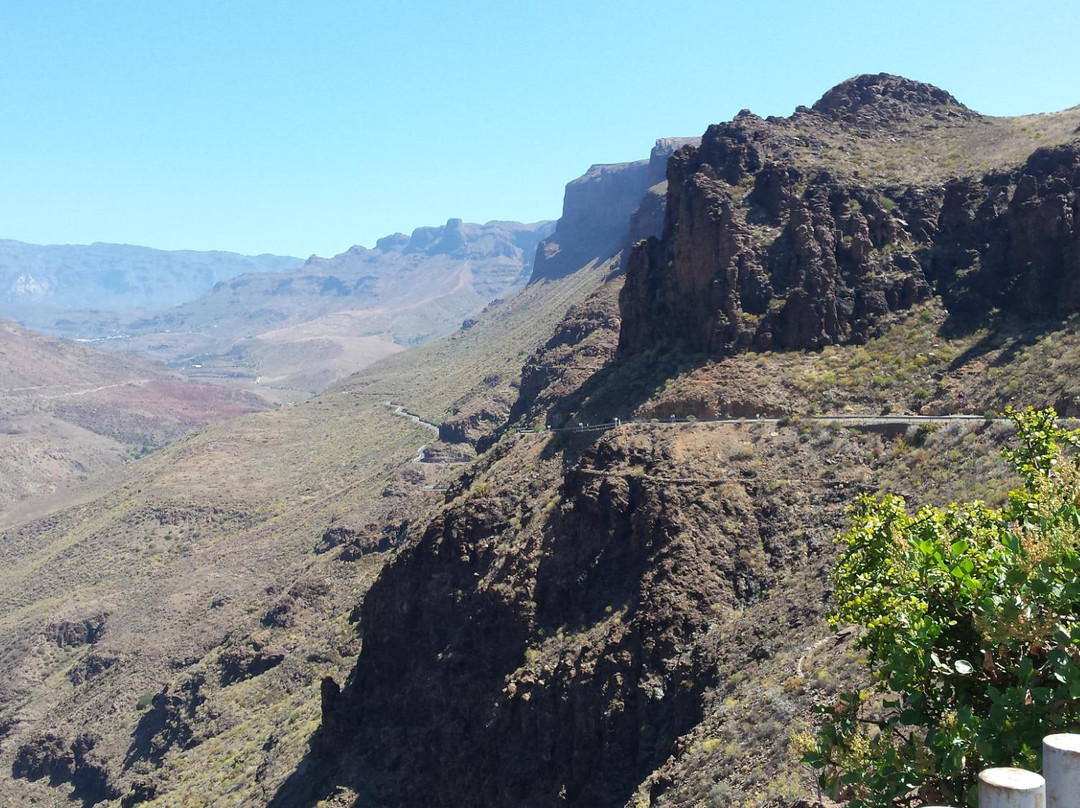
<point x="69" y="413"/>
<point x="164" y="641"/>
<point x="633" y="614"/>
<point x="38" y="281"/>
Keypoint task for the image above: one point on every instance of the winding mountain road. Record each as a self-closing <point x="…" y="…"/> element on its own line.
<point x="851" y="420"/>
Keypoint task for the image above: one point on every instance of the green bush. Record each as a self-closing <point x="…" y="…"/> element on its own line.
<point x="971" y="628"/>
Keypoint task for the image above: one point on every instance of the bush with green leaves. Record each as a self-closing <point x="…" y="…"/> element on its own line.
<point x="970" y="623"/>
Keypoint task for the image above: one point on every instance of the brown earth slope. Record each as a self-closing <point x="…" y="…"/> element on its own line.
<point x="164" y="640"/>
<point x="68" y="412"/>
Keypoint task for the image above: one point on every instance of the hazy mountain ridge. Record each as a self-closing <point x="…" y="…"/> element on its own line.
<point x="115" y="277"/>
<point x="303" y="328"/>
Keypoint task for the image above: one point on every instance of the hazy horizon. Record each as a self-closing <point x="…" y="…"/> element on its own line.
<point x="272" y="127"/>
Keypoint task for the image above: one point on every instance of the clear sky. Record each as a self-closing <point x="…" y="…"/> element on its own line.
<point x="308" y="126"/>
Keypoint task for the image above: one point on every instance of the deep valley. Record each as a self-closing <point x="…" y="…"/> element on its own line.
<point x="323" y="603"/>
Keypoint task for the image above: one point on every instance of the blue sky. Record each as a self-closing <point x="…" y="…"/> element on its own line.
<point x="305" y="127"/>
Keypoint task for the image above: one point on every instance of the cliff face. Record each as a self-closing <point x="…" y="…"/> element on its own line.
<point x="775" y="238"/>
<point x="597" y="210"/>
<point x="546" y="642"/>
<point x="1010" y="240"/>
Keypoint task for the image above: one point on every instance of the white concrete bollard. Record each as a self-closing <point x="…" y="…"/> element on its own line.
<point x="1011" y="788"/>
<point x="1061" y="768"/>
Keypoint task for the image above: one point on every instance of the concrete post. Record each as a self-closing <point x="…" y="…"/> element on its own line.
<point x="1011" y="788"/>
<point x="1061" y="768"/>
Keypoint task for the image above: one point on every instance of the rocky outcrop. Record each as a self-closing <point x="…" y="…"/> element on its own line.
<point x="583" y="343"/>
<point x="53" y="756"/>
<point x="770" y="243"/>
<point x="476" y="415"/>
<point x="71" y="633"/>
<point x="169" y="723"/>
<point x="94" y="664"/>
<point x="884" y="99"/>
<point x="1011" y="239"/>
<point x="238" y="664"/>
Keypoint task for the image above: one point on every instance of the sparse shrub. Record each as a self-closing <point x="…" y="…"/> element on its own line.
<point x="919" y="435"/>
<point x="744" y="452"/>
<point x="971" y="632"/>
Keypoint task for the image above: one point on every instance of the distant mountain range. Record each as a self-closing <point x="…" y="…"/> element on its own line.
<point x="271" y="322"/>
<point x="116" y="277"/>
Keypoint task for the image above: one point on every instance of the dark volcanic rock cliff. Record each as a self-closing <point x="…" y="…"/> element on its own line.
<point x="532" y="653"/>
<point x="774" y="239"/>
<point x="1010" y="240"/>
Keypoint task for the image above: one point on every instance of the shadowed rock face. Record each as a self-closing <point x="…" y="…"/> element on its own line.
<point x="597" y="211"/>
<point x="764" y="250"/>
<point x="754" y="257"/>
<point x="1010" y="239"/>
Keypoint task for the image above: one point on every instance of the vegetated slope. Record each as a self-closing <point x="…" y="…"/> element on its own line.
<point x="37" y="281"/>
<point x="635" y="616"/>
<point x="69" y="412"/>
<point x="622" y="617"/>
<point x="164" y="642"/>
<point x="302" y="329"/>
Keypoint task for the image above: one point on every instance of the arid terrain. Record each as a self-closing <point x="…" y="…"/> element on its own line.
<point x="328" y="604"/>
<point x="69" y="414"/>
<point x="287" y="332"/>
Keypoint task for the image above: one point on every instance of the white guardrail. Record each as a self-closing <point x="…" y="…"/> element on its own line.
<point x="1057" y="787"/>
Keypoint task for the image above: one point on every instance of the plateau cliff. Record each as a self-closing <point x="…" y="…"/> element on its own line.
<point x="605" y="210"/>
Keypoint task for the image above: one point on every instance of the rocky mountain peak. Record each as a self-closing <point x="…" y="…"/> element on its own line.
<point x="884" y="97"/>
<point x="797" y="233"/>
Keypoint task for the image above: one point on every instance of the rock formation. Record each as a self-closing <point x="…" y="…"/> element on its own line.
<point x="553" y="637"/>
<point x="598" y="208"/>
<point x="774" y="239"/>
